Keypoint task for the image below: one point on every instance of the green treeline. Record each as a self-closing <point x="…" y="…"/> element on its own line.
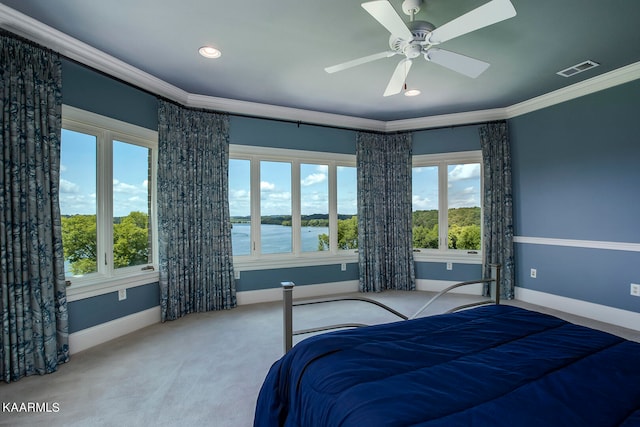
<point x="130" y="241"/>
<point x="464" y="229"/>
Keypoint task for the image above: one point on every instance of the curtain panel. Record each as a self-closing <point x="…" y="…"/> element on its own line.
<point x="196" y="263"/>
<point x="385" y="250"/>
<point x="34" y="329"/>
<point x="497" y="237"/>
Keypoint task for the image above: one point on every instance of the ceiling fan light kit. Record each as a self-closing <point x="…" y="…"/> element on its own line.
<point x="418" y="38"/>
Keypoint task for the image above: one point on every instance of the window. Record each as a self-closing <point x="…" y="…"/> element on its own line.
<point x="107" y="202"/>
<point x="314" y="207"/>
<point x="291" y="204"/>
<point x="275" y="207"/>
<point x="446" y="200"/>
<point x="347" y="187"/>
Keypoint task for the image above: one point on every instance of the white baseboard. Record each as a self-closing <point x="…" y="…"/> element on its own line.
<point x="615" y="316"/>
<point x="104" y="332"/>
<point x="439" y="285"/>
<point x="306" y="291"/>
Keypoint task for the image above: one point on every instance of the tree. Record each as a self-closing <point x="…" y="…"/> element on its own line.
<point x="424" y="237"/>
<point x="347" y="235"/>
<point x="467" y="237"/>
<point x="130" y="241"/>
<point x="79" y="243"/>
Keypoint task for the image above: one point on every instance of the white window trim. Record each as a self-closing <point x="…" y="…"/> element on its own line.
<point x="296" y="258"/>
<point x="106" y="128"/>
<point x="442" y="160"/>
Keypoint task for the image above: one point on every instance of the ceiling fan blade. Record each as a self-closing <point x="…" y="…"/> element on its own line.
<point x="470" y="67"/>
<point x="359" y="61"/>
<point x="385" y="14"/>
<point x="398" y="78"/>
<point x="485" y="15"/>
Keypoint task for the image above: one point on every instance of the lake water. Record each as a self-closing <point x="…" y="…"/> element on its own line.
<point x="275" y="238"/>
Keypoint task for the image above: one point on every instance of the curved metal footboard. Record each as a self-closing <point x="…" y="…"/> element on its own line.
<point x="288" y="304"/>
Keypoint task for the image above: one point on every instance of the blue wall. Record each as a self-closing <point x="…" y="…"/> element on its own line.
<point x="92" y="91"/>
<point x="446" y="140"/>
<point x="281" y="134"/>
<point x="576" y="176"/>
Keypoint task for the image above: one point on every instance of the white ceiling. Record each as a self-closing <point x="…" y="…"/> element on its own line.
<point x="274" y="52"/>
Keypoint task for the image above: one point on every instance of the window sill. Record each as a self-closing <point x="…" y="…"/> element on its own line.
<point x="103" y="285"/>
<point x="459" y="257"/>
<point x="267" y="262"/>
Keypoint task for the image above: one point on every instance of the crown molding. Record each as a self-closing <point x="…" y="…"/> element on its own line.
<point x="445" y="120"/>
<point x="595" y="84"/>
<point x="76" y="50"/>
<point x="256" y="109"/>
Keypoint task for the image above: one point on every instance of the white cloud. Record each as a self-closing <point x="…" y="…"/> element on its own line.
<point x="68" y="186"/>
<point x="267" y="186"/>
<point x="238" y="194"/>
<point x="422" y="203"/>
<point x="466" y="171"/>
<point x="123" y="187"/>
<point x="129" y="197"/>
<point x="314" y="178"/>
<point x="285" y="195"/>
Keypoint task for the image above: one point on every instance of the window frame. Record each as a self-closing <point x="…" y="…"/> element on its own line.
<point x="442" y="161"/>
<point x="106" y="130"/>
<point x="256" y="260"/>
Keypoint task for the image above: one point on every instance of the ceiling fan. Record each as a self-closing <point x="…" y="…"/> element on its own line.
<point x="417" y="38"/>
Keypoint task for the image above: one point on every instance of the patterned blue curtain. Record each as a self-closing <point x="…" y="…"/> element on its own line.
<point x="196" y="263"/>
<point x="497" y="237"/>
<point x="384" y="212"/>
<point x="34" y="331"/>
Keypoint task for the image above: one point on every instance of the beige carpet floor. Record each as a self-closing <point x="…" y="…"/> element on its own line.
<point x="202" y="370"/>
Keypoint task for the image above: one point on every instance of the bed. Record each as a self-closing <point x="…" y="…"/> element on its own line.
<point x="494" y="365"/>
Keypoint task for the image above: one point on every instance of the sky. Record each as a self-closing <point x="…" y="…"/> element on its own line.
<point x="463" y="186"/>
<point x="78" y="176"/>
<point x="275" y="188"/>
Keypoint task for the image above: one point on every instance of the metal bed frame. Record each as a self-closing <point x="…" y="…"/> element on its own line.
<point x="289" y="303"/>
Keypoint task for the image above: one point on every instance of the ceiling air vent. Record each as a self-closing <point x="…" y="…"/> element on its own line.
<point x="578" y="68"/>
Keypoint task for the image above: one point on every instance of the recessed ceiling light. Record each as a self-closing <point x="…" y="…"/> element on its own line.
<point x="412" y="92"/>
<point x="209" y="52"/>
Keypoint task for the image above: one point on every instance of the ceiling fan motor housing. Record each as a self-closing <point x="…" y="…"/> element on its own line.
<point x="414" y="47"/>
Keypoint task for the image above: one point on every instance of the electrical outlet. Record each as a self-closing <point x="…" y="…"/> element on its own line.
<point x="343" y="266"/>
<point x="122" y="294"/>
<point x="534" y="273"/>
<point x="449" y="265"/>
<point x="635" y="290"/>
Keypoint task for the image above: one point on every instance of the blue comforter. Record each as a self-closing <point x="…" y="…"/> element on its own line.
<point x="490" y="366"/>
